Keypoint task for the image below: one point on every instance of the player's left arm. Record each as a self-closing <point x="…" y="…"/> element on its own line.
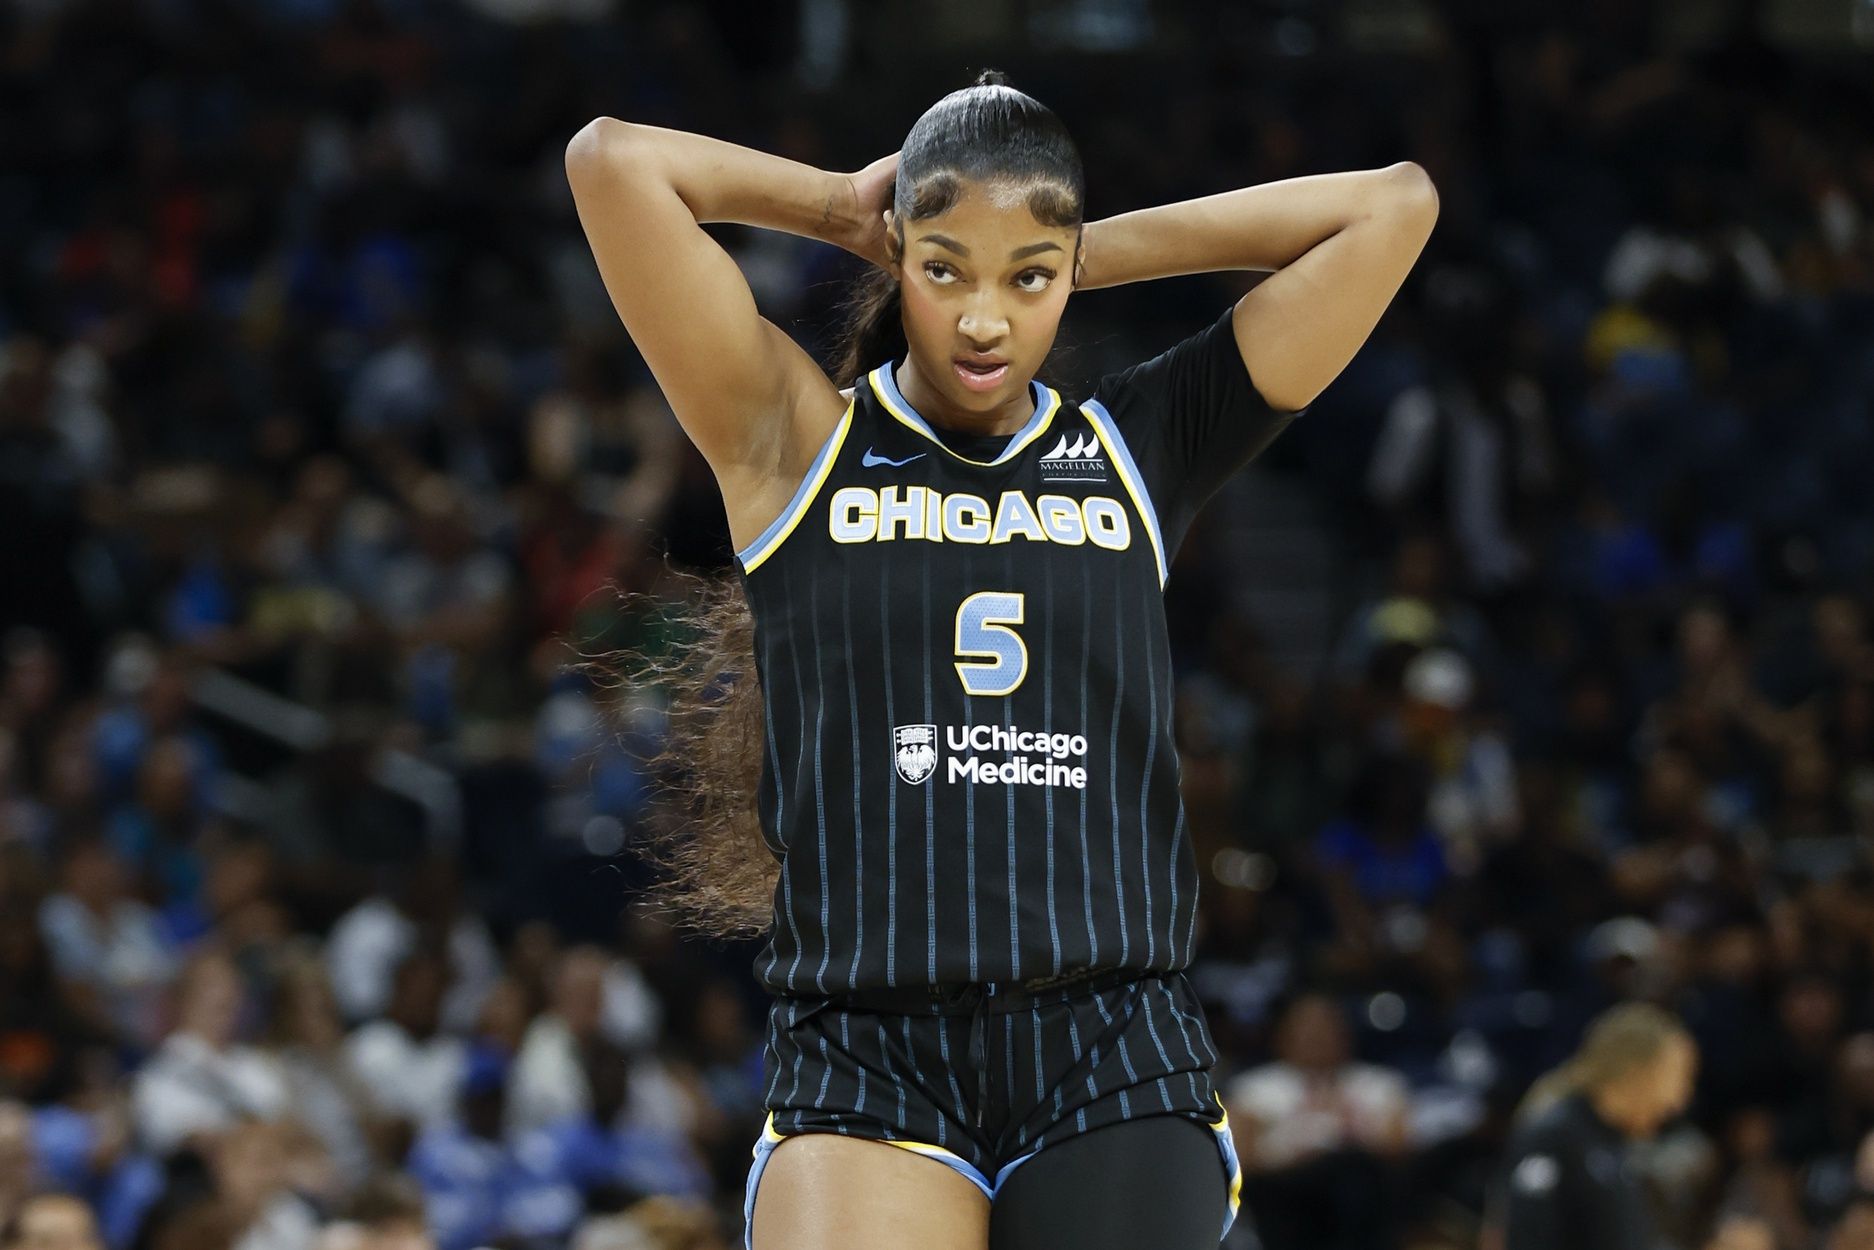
<point x="1338" y="248"/>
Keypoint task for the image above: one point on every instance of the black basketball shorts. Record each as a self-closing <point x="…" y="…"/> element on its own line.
<point x="981" y="1078"/>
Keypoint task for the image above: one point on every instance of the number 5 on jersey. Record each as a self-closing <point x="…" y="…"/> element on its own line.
<point x="999" y="660"/>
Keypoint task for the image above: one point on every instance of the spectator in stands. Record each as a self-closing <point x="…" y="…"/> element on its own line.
<point x="85" y="1147"/>
<point x="51" y="1222"/>
<point x="549" y="1080"/>
<point x="110" y="949"/>
<point x="159" y="830"/>
<point x="411" y="1069"/>
<point x="605" y="1153"/>
<point x="479" y="1185"/>
<point x="258" y="1171"/>
<point x="1418" y="609"/>
<point x="327" y="1094"/>
<point x="42" y="1036"/>
<point x="371" y="940"/>
<point x="1318" y="1134"/>
<point x="386" y="1214"/>
<point x="202" y="1081"/>
<point x="1383" y="870"/>
<point x="1471" y="799"/>
<point x="654" y="1224"/>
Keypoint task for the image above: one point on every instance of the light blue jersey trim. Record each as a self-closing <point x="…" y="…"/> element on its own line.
<point x="1232" y="1166"/>
<point x="1108" y="430"/>
<point x="1047" y="403"/>
<point x="1012" y="1164"/>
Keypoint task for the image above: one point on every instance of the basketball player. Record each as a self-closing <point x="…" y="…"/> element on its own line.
<point x="970" y="854"/>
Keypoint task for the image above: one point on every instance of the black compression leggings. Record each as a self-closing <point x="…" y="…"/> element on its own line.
<point x="1151" y="1184"/>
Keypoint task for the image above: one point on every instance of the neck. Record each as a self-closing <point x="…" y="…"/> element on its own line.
<point x="1005" y="418"/>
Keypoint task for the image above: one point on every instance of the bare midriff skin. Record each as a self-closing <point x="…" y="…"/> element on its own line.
<point x="984" y="286"/>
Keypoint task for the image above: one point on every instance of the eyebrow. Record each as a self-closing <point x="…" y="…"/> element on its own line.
<point x="946" y="241"/>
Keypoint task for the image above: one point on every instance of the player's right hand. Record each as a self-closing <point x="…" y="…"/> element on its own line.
<point x="872" y="196"/>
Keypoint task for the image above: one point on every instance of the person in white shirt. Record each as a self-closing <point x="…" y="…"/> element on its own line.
<point x="411" y="1069"/>
<point x="372" y="940"/>
<point x="202" y="1082"/>
<point x="106" y="945"/>
<point x="549" y="1081"/>
<point x="1316" y="1132"/>
<point x="308" y="1042"/>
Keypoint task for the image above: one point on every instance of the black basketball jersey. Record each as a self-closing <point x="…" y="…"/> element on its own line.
<point x="969" y="772"/>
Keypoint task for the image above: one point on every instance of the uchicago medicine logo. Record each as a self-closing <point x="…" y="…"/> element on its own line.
<point x="991" y="755"/>
<point x="914" y="750"/>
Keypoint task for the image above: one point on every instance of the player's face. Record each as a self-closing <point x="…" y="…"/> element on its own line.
<point x="984" y="286"/>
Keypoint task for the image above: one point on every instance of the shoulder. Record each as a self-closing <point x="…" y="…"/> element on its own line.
<point x="1552" y="1129"/>
<point x="1207" y="353"/>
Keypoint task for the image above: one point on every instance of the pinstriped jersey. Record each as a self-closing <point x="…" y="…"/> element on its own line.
<point x="969" y="772"/>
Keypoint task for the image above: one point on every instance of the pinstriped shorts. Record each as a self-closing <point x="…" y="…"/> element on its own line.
<point x="984" y="1092"/>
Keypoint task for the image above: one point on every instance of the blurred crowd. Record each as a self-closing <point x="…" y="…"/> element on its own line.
<point x="322" y="453"/>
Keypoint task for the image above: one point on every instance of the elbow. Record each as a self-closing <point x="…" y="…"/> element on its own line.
<point x="600" y="145"/>
<point x="1410" y="193"/>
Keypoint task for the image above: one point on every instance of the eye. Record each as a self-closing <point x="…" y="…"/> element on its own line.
<point x="938" y="272"/>
<point x="1046" y="276"/>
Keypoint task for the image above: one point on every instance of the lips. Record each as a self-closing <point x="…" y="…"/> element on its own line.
<point x="980" y="373"/>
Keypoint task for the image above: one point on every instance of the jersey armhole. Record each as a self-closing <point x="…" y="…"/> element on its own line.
<point x="1107" y="431"/>
<point x="752" y="556"/>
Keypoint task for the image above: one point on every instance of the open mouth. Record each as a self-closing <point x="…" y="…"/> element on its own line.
<point x="981" y="375"/>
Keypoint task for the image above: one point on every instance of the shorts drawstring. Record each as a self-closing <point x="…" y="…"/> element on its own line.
<point x="976" y="997"/>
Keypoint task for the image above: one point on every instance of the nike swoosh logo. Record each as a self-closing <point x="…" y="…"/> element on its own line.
<point x="872" y="460"/>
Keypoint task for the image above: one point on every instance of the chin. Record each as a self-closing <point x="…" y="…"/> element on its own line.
<point x="971" y="401"/>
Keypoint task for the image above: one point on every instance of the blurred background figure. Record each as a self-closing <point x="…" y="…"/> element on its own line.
<point x="1569" y="1175"/>
<point x="203" y="1081"/>
<point x="1319" y="1136"/>
<point x="52" y="1222"/>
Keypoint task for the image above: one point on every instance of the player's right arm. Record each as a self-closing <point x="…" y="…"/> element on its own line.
<point x="755" y="404"/>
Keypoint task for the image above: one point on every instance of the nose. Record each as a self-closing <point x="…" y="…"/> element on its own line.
<point x="982" y="322"/>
